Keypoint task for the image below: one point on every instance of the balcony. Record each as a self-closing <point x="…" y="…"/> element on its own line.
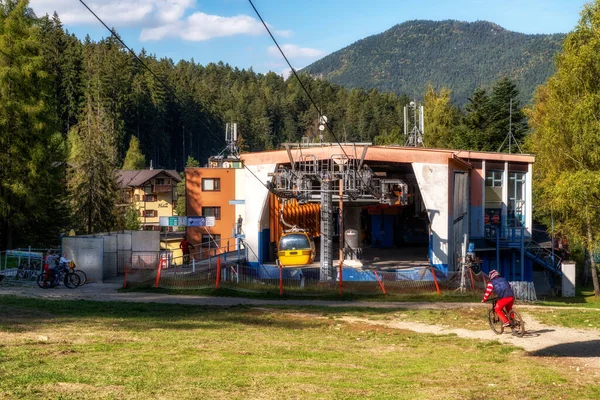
<point x="162" y="188"/>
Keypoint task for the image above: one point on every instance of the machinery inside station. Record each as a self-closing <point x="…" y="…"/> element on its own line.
<point x="384" y="221"/>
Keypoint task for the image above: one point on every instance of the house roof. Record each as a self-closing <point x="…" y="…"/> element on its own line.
<point x="136" y="178"/>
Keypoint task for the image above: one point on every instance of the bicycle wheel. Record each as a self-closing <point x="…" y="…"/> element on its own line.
<point x="495" y="322"/>
<point x="72" y="280"/>
<point x="518" y="325"/>
<point x="82" y="276"/>
<point x="45" y="280"/>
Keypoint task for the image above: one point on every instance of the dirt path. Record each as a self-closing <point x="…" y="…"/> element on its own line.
<point x="579" y="347"/>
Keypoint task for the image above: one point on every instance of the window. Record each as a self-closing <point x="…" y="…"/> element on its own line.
<point x="294" y="242"/>
<point x="159" y="181"/>
<point x="137" y="197"/>
<point x="493" y="178"/>
<point x="150" y="197"/>
<point x="150" y="213"/>
<point x="211" y="184"/>
<point x="211" y="212"/>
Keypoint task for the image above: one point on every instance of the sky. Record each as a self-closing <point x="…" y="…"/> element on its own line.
<point x="230" y="31"/>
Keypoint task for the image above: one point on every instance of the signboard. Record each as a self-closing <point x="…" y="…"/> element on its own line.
<point x="496" y="218"/>
<point x="173" y="221"/>
<point x="487" y="219"/>
<point x="210" y="221"/>
<point x="196" y="221"/>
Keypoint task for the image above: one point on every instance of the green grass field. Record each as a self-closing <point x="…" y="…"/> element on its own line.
<point x="92" y="350"/>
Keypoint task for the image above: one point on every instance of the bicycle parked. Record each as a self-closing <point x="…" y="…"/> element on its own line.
<point x="73" y="267"/>
<point x="517" y="325"/>
<point x="50" y="279"/>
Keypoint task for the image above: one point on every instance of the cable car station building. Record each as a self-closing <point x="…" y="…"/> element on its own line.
<point x="402" y="207"/>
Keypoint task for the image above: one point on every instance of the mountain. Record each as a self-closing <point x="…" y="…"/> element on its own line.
<point x="458" y="55"/>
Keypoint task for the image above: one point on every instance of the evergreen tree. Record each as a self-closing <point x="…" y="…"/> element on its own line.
<point x="31" y="152"/>
<point x="506" y="115"/>
<point x="566" y="138"/>
<point x="134" y="159"/>
<point x="474" y="129"/>
<point x="93" y="189"/>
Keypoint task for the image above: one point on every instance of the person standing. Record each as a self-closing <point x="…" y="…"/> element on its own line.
<point x="240" y="220"/>
<point x="185" y="246"/>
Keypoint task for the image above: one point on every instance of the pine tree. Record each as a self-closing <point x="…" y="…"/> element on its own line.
<point x="506" y="115"/>
<point x="31" y="151"/>
<point x="134" y="159"/>
<point x="566" y="138"/>
<point x="93" y="188"/>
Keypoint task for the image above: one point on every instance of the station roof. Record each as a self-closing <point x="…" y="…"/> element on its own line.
<point x="395" y="154"/>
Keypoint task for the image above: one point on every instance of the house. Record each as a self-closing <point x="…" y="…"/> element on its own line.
<point x="151" y="191"/>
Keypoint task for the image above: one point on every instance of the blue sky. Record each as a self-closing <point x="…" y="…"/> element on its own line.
<point x="229" y="31"/>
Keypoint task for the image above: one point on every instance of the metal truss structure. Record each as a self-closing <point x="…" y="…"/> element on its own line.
<point x="341" y="177"/>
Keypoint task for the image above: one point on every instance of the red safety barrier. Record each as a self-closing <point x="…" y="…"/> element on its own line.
<point x="380" y="283"/>
<point x="280" y="279"/>
<point x="472" y="280"/>
<point x="437" y="287"/>
<point x="158" y="274"/>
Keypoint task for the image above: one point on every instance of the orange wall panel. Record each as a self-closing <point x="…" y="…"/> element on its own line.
<point x="196" y="198"/>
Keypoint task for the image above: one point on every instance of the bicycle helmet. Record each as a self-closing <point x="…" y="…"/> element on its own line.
<point x="494" y="274"/>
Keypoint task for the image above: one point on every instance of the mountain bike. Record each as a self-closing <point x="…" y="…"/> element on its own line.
<point x="73" y="268"/>
<point x="49" y="279"/>
<point x="517" y="325"/>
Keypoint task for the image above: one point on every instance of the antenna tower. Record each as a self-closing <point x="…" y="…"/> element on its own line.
<point x="510" y="135"/>
<point x="414" y="137"/>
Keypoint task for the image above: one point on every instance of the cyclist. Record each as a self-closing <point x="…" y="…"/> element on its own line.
<point x="506" y="297"/>
<point x="52" y="265"/>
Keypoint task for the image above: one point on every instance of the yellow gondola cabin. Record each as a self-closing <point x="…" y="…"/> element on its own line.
<point x="296" y="249"/>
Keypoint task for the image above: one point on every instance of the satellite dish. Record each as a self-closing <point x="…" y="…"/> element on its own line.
<point x="321" y="127"/>
<point x="226" y="164"/>
<point x="323" y="119"/>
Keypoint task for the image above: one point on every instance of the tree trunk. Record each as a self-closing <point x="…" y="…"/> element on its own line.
<point x="591" y="245"/>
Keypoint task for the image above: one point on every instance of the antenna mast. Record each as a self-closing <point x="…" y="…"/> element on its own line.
<point x="414" y="138"/>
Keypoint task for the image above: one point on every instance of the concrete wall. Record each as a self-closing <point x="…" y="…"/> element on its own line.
<point x="433" y="183"/>
<point x="256" y="224"/>
<point x="240" y="194"/>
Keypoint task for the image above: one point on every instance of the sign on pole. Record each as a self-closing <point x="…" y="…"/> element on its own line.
<point x="210" y="221"/>
<point x="196" y="221"/>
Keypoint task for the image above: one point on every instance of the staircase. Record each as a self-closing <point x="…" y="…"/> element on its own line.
<point x="512" y="238"/>
<point x="543" y="256"/>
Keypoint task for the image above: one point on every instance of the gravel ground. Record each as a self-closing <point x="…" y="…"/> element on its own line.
<point x="579" y="347"/>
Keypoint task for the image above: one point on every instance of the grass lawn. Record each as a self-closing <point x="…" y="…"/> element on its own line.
<point x="92" y="350"/>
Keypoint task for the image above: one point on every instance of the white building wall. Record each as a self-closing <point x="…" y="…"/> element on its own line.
<point x="240" y="194"/>
<point x="433" y="184"/>
<point x="256" y="202"/>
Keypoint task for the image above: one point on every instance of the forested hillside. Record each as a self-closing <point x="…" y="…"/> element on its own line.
<point x="457" y="55"/>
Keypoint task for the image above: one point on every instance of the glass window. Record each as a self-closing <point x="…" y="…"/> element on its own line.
<point x="211" y="184"/>
<point x="150" y="197"/>
<point x="516" y="199"/>
<point x="294" y="241"/>
<point x="493" y="178"/>
<point x="159" y="181"/>
<point x="211" y="212"/>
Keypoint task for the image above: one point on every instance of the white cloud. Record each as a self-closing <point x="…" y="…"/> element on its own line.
<point x="286" y="73"/>
<point x="284" y="33"/>
<point x="294" y="51"/>
<point x="113" y="12"/>
<point x="158" y="19"/>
